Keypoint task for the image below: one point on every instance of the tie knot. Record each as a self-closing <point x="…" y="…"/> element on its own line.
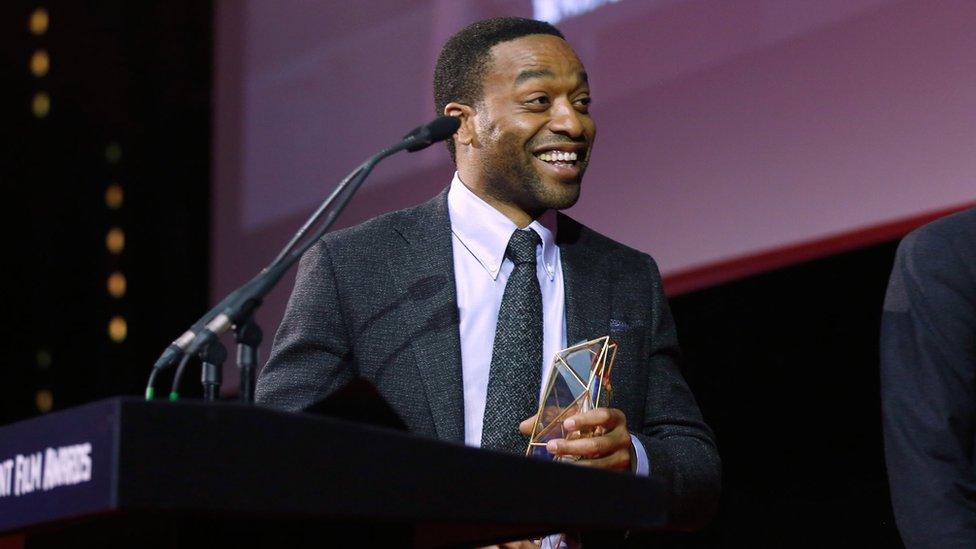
<point x="521" y="247"/>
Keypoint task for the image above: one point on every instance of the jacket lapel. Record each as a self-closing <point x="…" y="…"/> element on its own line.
<point x="587" y="286"/>
<point x="424" y="269"/>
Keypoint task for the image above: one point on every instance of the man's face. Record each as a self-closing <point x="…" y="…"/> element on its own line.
<point x="533" y="128"/>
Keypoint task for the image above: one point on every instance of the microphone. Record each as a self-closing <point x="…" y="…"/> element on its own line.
<point x="174" y="352"/>
<point x="443" y="127"/>
<point x="240" y="304"/>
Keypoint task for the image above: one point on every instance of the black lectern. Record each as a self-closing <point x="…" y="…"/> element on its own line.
<point x="124" y="472"/>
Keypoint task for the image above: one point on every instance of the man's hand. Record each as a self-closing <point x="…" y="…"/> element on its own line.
<point x="609" y="446"/>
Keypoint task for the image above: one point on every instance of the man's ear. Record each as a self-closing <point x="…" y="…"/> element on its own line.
<point x="465" y="134"/>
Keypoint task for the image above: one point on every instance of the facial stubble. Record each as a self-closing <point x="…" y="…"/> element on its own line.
<point x="512" y="178"/>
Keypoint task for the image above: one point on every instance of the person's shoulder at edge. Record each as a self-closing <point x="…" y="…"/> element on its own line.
<point x="955" y="232"/>
<point x="939" y="250"/>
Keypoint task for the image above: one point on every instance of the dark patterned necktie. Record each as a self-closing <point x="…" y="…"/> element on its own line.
<point x="516" y="358"/>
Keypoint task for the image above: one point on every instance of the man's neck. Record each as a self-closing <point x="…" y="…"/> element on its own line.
<point x="516" y="214"/>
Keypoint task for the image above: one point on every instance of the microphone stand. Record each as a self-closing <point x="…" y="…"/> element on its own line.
<point x="211" y="376"/>
<point x="248" y="343"/>
<point x="237" y="309"/>
<point x="238" y="312"/>
<point x="248" y="336"/>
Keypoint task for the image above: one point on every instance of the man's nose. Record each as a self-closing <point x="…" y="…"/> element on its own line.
<point x="566" y="120"/>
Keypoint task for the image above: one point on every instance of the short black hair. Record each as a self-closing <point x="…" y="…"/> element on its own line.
<point x="464" y="61"/>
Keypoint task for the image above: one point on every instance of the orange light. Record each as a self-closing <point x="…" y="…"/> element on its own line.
<point x="118" y="329"/>
<point x="114" y="196"/>
<point x="44" y="400"/>
<point x="116" y="285"/>
<point x="115" y="240"/>
<point x="40" y="63"/>
<point x="39" y="21"/>
<point x="41" y="104"/>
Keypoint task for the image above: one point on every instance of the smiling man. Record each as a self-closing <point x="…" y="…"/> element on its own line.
<point x="454" y="308"/>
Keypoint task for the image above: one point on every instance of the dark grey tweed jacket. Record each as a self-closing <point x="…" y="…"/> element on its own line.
<point x="378" y="300"/>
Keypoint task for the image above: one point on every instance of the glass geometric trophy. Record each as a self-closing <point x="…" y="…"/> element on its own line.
<point x="578" y="381"/>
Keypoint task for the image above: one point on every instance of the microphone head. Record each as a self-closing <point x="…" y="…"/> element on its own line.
<point x="441" y="128"/>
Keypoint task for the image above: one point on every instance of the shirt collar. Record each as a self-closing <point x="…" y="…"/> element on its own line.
<point x="485" y="231"/>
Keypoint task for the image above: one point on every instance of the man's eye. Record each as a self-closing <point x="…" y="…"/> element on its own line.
<point x="541" y="100"/>
<point x="585" y="101"/>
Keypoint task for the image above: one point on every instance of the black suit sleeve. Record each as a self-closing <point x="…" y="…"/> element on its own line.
<point x="310" y="357"/>
<point x="679" y="445"/>
<point x="928" y="387"/>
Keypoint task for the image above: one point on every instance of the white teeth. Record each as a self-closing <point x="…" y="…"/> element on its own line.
<point x="558" y="156"/>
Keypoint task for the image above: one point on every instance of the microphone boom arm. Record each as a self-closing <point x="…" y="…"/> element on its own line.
<point x="237" y="308"/>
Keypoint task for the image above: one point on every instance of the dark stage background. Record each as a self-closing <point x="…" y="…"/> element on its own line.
<point x="105" y="170"/>
<point x="784" y="363"/>
<point x="785" y="368"/>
